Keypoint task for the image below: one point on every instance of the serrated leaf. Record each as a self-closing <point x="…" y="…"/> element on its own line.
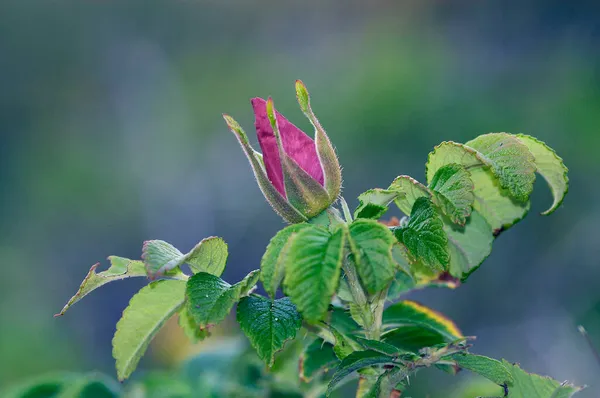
<point x="317" y="357"/>
<point x="453" y="192"/>
<point x="210" y="255"/>
<point x="371" y="244"/>
<point x="550" y="166"/>
<point x="528" y="385"/>
<point x="409" y="190"/>
<point x="356" y="361"/>
<point x="374" y="203"/>
<point x="160" y="257"/>
<point x="511" y="161"/>
<point x="424" y="236"/>
<point x="268" y="324"/>
<point x="491" y="201"/>
<point x="272" y="265"/>
<point x="189" y="326"/>
<point x="147" y="311"/>
<point x="469" y="246"/>
<point x="312" y="270"/>
<point x="412" y="313"/>
<point x="210" y="298"/>
<point x="489" y="368"/>
<point x="120" y="268"/>
<point x="419" y="276"/>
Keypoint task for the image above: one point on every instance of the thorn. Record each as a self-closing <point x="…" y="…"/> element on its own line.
<point x="585" y="335"/>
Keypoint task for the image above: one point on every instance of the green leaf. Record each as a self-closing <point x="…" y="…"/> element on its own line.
<point x="210" y="255"/>
<point x="341" y="320"/>
<point x="160" y="257"/>
<point x="313" y="266"/>
<point x="148" y="310"/>
<point x="489" y="368"/>
<point x="409" y="190"/>
<point x="356" y="361"/>
<point x="413" y="338"/>
<point x="412" y="313"/>
<point x="371" y="244"/>
<point x="494" y="203"/>
<point x="120" y="268"/>
<point x="469" y="246"/>
<point x="344" y="345"/>
<point x="379" y="346"/>
<point x="317" y="357"/>
<point x="511" y="161"/>
<point x="210" y="298"/>
<point x="550" y="166"/>
<point x="272" y="265"/>
<point x="63" y="385"/>
<point x="402" y="283"/>
<point x="453" y="192"/>
<point x="424" y="236"/>
<point x="92" y="385"/>
<point x="374" y="203"/>
<point x="527" y="385"/>
<point x="189" y="326"/>
<point x="268" y="324"/>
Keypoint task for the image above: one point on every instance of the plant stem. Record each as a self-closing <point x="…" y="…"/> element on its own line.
<point x="358" y="295"/>
<point x="377" y="309"/>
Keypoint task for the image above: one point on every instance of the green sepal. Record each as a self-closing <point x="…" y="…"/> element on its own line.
<point x="332" y="172"/>
<point x="275" y="199"/>
<point x="303" y="192"/>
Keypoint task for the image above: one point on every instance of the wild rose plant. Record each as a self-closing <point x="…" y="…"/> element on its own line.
<point x="344" y="276"/>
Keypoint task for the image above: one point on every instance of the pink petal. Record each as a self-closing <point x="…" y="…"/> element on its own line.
<point x="296" y="144"/>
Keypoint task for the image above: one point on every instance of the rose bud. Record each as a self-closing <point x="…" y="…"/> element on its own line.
<point x="299" y="177"/>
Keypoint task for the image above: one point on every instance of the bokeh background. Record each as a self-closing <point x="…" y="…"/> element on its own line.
<point x="111" y="134"/>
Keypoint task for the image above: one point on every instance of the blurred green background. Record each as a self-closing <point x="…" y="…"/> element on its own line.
<point x="110" y="118"/>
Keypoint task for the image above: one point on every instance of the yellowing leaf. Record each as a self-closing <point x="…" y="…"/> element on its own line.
<point x="120" y="268"/>
<point x="210" y="255"/>
<point x="412" y="313"/>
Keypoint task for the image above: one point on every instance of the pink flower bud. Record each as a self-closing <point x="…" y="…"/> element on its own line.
<point x="300" y="177"/>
